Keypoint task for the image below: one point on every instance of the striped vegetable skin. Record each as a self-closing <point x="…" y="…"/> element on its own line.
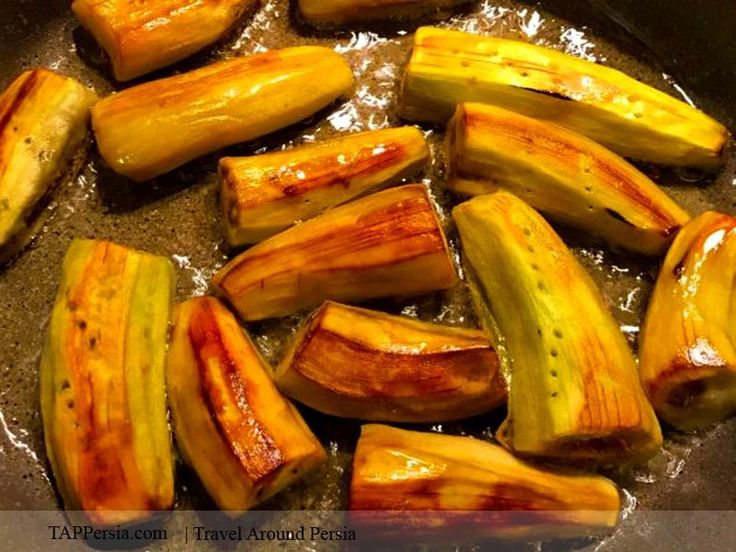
<point x="387" y="244"/>
<point x="688" y="356"/>
<point x="357" y="363"/>
<point x="431" y="486"/>
<point x="631" y="118"/>
<point x="143" y="35"/>
<point x="43" y="123"/>
<point x="155" y="127"/>
<point x="562" y="174"/>
<point x="265" y="194"/>
<point x="102" y="383"/>
<point x="244" y="440"/>
<point x="575" y="391"/>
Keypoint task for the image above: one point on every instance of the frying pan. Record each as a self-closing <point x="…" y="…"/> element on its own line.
<point x="690" y="43"/>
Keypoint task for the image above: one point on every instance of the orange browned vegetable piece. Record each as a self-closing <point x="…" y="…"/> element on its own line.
<point x="242" y="437"/>
<point x="103" y="400"/>
<point x="356" y="363"/>
<point x="389" y="243"/>
<point x="688" y="358"/>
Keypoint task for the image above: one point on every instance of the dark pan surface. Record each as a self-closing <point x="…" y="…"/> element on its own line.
<point x="175" y="216"/>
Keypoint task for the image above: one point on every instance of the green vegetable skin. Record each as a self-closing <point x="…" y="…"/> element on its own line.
<point x="574" y="390"/>
<point x="635" y="120"/>
<point x="103" y="400"/>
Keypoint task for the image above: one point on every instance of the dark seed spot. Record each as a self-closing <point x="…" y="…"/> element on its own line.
<point x="553" y="373"/>
<point x="553" y="394"/>
<point x="558" y="333"/>
<point x="82" y="324"/>
<point x="70" y="403"/>
<point x="553" y="352"/>
<point x="92" y="343"/>
<point x="65" y="385"/>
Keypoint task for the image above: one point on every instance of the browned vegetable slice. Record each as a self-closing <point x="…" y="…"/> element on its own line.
<point x="688" y="352"/>
<point x="449" y="67"/>
<point x="389" y="243"/>
<point x="143" y="35"/>
<point x="155" y="127"/>
<point x="561" y="173"/>
<point x="102" y="383"/>
<point x="43" y="122"/>
<point x="575" y="393"/>
<point x="357" y="363"/>
<point x="408" y="483"/>
<point x="265" y="194"/>
<point x="243" y="438"/>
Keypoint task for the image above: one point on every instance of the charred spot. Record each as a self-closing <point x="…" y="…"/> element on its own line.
<point x="291" y="190"/>
<point x="550" y="93"/>
<point x="686" y="394"/>
<point x="618" y="216"/>
<point x="82" y="325"/>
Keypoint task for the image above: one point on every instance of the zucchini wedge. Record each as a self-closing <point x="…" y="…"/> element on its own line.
<point x="103" y="401"/>
<point x="244" y="440"/>
<point x="332" y="13"/>
<point x="265" y="194"/>
<point x="688" y="343"/>
<point x="563" y="174"/>
<point x="389" y="243"/>
<point x="143" y="35"/>
<point x="357" y="363"/>
<point x="43" y="123"/>
<point x="409" y="484"/>
<point x="575" y="391"/>
<point x="153" y="128"/>
<point x="634" y="120"/>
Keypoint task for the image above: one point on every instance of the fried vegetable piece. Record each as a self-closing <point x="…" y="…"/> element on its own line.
<point x="575" y="391"/>
<point x="438" y="484"/>
<point x="357" y="363"/>
<point x="103" y="401"/>
<point x="331" y="13"/>
<point x="43" y="122"/>
<point x="631" y="118"/>
<point x="244" y="440"/>
<point x="561" y="173"/>
<point x="143" y="35"/>
<point x="265" y="194"/>
<point x="688" y="357"/>
<point x="389" y="243"/>
<point x="155" y="127"/>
